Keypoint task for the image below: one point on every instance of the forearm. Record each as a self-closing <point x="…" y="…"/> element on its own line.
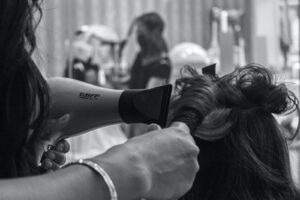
<point x="74" y="182"/>
<point x="158" y="165"/>
<point x="121" y="163"/>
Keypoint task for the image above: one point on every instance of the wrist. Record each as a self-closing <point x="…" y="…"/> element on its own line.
<point x="127" y="170"/>
<point x="140" y="169"/>
<point x="100" y="172"/>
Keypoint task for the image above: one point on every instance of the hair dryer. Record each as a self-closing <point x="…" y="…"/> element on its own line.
<point x="91" y="106"/>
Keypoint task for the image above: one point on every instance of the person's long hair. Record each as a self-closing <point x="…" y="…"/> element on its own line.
<point x="23" y="90"/>
<point x="243" y="154"/>
<point x="152" y="42"/>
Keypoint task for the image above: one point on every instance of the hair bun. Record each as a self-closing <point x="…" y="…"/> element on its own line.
<point x="257" y="85"/>
<point x="280" y="100"/>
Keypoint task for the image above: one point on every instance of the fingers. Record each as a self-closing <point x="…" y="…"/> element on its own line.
<point x="50" y="135"/>
<point x="45" y="150"/>
<point x="62" y="146"/>
<point x="55" y="157"/>
<point x="183" y="130"/>
<point x="48" y="165"/>
<point x="53" y="160"/>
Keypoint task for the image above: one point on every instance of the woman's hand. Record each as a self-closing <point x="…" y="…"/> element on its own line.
<point x="48" y="152"/>
<point x="161" y="164"/>
<point x="175" y="175"/>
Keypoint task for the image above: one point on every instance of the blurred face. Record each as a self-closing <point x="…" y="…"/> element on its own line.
<point x="142" y="33"/>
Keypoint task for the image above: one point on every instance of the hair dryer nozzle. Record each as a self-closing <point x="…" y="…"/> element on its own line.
<point x="209" y="70"/>
<point x="145" y="106"/>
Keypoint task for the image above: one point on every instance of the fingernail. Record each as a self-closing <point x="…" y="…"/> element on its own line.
<point x="60" y="147"/>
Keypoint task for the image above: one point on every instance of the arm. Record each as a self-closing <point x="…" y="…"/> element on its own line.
<point x="75" y="182"/>
<point x="136" y="170"/>
<point x="80" y="182"/>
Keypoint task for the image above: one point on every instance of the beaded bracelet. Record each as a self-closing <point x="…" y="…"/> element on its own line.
<point x="99" y="170"/>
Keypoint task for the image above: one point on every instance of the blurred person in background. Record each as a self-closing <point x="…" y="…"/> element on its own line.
<point x="152" y="66"/>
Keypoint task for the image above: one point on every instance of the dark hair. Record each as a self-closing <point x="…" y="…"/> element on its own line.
<point x="24" y="101"/>
<point x="152" y="21"/>
<point x="244" y="155"/>
<point x="152" y="42"/>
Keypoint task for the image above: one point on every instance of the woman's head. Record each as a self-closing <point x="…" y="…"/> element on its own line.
<point x="151" y="22"/>
<point x="24" y="92"/>
<point x="243" y="153"/>
<point x="150" y="28"/>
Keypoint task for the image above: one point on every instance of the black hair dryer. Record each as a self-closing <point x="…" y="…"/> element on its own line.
<point x="92" y="107"/>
